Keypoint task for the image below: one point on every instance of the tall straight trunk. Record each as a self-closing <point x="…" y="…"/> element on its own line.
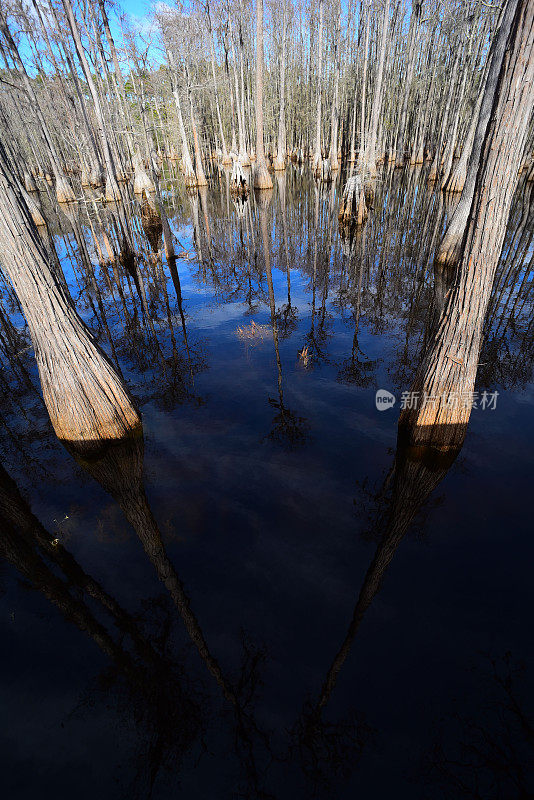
<point x="112" y="187"/>
<point x="410" y="67"/>
<point x="435" y="169"/>
<point x="449" y="252"/>
<point x="451" y="144"/>
<point x="370" y="159"/>
<point x="233" y="145"/>
<point x="280" y="161"/>
<point x="64" y="191"/>
<point x="118" y="77"/>
<point x="458" y="174"/>
<point x="352" y="149"/>
<point x="317" y="155"/>
<point x="74" y="77"/>
<point x="226" y="158"/>
<point x="86" y="399"/>
<point x="113" y="126"/>
<point x="450" y="365"/>
<point x="364" y="89"/>
<point x="262" y="179"/>
<point x="243" y="155"/>
<point x="199" y="167"/>
<point x="243" y="96"/>
<point x="187" y="161"/>
<point x="334" y="122"/>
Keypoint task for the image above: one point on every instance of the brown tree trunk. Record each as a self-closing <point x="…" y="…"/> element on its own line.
<point x="112" y="187"/>
<point x="280" y="160"/>
<point x="377" y="97"/>
<point x="262" y="179"/>
<point x="86" y="399"/>
<point x="450" y="365"/>
<point x="317" y="155"/>
<point x="449" y="252"/>
<point x="64" y="191"/>
<point x="199" y="167"/>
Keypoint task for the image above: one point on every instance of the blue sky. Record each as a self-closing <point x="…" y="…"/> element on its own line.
<point x="137" y="8"/>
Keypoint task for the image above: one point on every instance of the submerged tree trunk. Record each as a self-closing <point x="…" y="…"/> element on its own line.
<point x="86" y="399"/>
<point x="449" y="368"/>
<point x="353" y="208"/>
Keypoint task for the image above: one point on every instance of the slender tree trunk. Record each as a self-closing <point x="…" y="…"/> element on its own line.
<point x="280" y="160"/>
<point x="226" y="158"/>
<point x="370" y="159"/>
<point x="199" y="168"/>
<point x="262" y="179"/>
<point x="334" y="122"/>
<point x="361" y="158"/>
<point x="450" y="365"/>
<point x="64" y="191"/>
<point x="112" y="187"/>
<point x="243" y="155"/>
<point x="411" y="56"/>
<point x="449" y="252"/>
<point x="317" y="155"/>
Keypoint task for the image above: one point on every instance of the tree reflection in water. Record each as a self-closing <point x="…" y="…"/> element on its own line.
<point x="377" y="281"/>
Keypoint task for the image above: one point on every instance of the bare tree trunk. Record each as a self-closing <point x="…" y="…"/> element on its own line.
<point x="86" y="399"/>
<point x="317" y="155"/>
<point x="262" y="179"/>
<point x="243" y="155"/>
<point x="112" y="187"/>
<point x="280" y="160"/>
<point x="226" y="158"/>
<point x="435" y="168"/>
<point x="450" y="365"/>
<point x="411" y="56"/>
<point x="361" y="157"/>
<point x="64" y="191"/>
<point x="74" y="77"/>
<point x="449" y="252"/>
<point x="334" y="123"/>
<point x="458" y="175"/>
<point x="199" y="168"/>
<point x="370" y="159"/>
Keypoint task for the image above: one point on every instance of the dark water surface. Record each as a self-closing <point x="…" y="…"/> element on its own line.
<point x="262" y="599"/>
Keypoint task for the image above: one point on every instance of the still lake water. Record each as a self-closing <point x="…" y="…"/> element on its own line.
<point x="246" y="605"/>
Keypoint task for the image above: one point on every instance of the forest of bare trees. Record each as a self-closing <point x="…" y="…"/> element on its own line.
<point x="87" y="98"/>
<point x="226" y="229"/>
<point x="91" y="102"/>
